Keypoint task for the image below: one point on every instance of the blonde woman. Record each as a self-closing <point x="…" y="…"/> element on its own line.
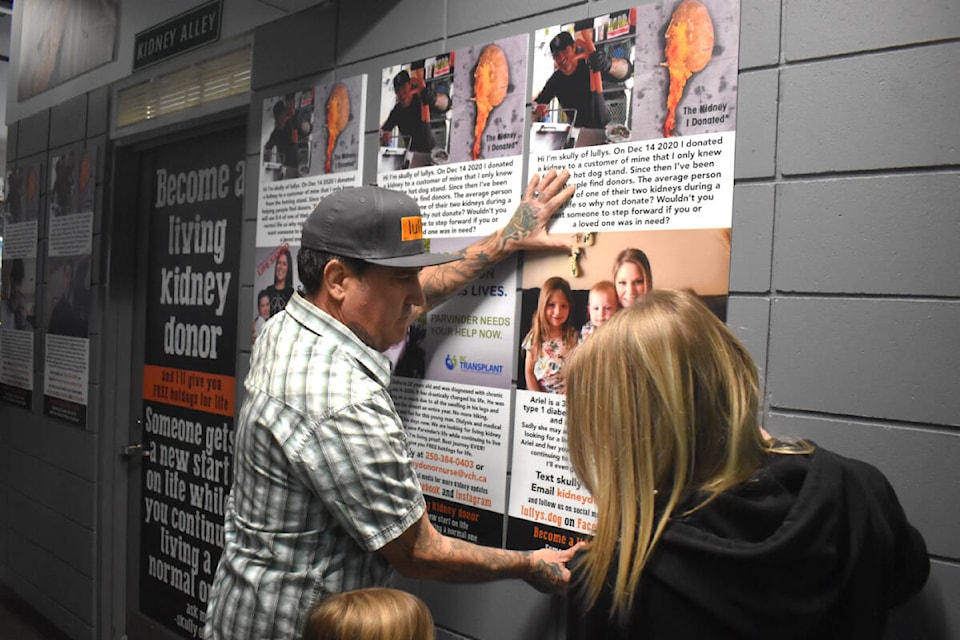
<point x="706" y="528"/>
<point x="632" y="276"/>
<point x="377" y="613"/>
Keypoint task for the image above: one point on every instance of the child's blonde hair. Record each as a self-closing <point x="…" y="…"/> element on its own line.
<point x="376" y="613"/>
<point x="605" y="286"/>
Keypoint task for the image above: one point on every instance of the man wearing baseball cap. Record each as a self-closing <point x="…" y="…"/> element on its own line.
<point x="570" y="82"/>
<point x="324" y="496"/>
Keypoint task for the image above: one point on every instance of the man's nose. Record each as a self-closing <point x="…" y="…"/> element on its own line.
<point x="417" y="298"/>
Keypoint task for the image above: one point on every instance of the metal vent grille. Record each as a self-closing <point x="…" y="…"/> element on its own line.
<point x="199" y="84"/>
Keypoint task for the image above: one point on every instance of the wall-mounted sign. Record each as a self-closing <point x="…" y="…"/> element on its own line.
<point x="177" y="35"/>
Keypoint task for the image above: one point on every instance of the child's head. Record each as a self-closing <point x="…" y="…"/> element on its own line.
<point x="602" y="303"/>
<point x="263" y="304"/>
<point x="553" y="308"/>
<point x="377" y="613"/>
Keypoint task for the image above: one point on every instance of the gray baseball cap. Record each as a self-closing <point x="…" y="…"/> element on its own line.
<point x="376" y="225"/>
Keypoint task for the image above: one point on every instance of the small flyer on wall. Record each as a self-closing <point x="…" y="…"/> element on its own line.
<point x="451" y="135"/>
<point x="640" y="106"/>
<point x="67" y="304"/>
<point x="18" y="282"/>
<point x="312" y="146"/>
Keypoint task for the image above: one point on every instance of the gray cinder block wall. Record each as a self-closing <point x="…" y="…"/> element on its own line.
<point x="845" y="257"/>
<point x="844" y="278"/>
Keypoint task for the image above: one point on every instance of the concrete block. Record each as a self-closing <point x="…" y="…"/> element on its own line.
<point x="34" y="134"/>
<point x="887" y="110"/>
<point x="757" y="107"/>
<point x="464" y="17"/>
<point x="367" y="30"/>
<point x="748" y="319"/>
<point x="13" y="130"/>
<point x="821" y="28"/>
<point x="920" y="464"/>
<point x="65" y="539"/>
<point x="299" y="45"/>
<point x="51" y="442"/>
<point x="890" y="359"/>
<point x="98" y="112"/>
<point x="759" y="33"/>
<point x="895" y="234"/>
<point x="752" y="237"/>
<point x="64" y="586"/>
<point x="54" y="488"/>
<point x="68" y="121"/>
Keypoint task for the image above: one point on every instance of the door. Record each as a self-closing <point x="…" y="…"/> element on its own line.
<point x="183" y="377"/>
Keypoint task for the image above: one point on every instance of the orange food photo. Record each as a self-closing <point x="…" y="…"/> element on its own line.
<point x="338" y="115"/>
<point x="490" y="82"/>
<point x="689" y="49"/>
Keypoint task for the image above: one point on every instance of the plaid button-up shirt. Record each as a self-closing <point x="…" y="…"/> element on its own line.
<point x="322" y="478"/>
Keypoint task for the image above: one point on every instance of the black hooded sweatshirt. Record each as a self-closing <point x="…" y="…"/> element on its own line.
<point x="812" y="546"/>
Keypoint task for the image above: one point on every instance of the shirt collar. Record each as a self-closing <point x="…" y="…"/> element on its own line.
<point x="315" y="319"/>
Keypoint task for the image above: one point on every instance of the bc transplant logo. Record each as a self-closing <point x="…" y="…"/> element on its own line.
<point x="463" y="364"/>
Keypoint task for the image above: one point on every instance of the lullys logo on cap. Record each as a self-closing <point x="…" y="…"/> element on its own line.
<point x="411" y="228"/>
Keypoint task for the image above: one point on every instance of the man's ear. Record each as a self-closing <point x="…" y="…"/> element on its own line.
<point x="334" y="275"/>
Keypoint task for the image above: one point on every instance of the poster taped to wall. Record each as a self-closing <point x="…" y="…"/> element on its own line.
<point x="68" y="303"/>
<point x="451" y="129"/>
<point x="311" y="146"/>
<point x="451" y="133"/>
<point x="646" y="128"/>
<point x="18" y="282"/>
<point x="643" y="118"/>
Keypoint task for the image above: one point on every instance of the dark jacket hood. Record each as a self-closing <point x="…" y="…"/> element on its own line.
<point x="812" y="546"/>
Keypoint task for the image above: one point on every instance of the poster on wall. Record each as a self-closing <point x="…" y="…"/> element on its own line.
<point x="61" y="40"/>
<point x="189" y="374"/>
<point x="67" y="304"/>
<point x="640" y="106"/>
<point x="455" y="367"/>
<point x="18" y="283"/>
<point x="451" y="133"/>
<point x="644" y="119"/>
<point x="312" y="146"/>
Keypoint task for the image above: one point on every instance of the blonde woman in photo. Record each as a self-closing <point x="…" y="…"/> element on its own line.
<point x="632" y="276"/>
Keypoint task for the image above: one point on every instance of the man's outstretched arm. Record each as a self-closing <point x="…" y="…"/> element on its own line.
<point x="526" y="230"/>
<point x="422" y="552"/>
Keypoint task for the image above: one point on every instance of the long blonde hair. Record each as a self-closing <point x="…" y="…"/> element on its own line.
<point x="538" y="331"/>
<point x="377" y="613"/>
<point x="662" y="405"/>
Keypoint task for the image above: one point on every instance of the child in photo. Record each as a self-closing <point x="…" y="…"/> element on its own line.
<point x="263" y="313"/>
<point x="551" y="338"/>
<point x="601" y="305"/>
